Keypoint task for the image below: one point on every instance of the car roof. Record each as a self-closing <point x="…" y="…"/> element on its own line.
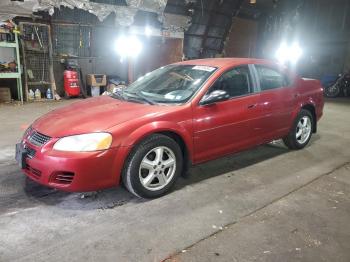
<point x="226" y="62"/>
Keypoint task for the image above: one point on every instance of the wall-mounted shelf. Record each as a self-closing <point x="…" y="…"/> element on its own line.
<point x="39" y="83"/>
<point x="8" y="44"/>
<point x="14" y="75"/>
<point x="10" y="75"/>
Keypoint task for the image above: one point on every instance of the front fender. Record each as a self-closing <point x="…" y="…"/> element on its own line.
<point x="156" y="127"/>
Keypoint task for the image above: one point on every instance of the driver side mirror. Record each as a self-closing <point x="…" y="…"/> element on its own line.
<point x="214" y="97"/>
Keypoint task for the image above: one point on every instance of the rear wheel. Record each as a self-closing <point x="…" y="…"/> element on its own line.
<point x="153" y="167"/>
<point x="301" y="132"/>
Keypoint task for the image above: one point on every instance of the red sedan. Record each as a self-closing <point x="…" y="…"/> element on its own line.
<point x="186" y="113"/>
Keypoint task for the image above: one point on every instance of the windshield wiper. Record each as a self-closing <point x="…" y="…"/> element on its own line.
<point x="139" y="96"/>
<point x="118" y="95"/>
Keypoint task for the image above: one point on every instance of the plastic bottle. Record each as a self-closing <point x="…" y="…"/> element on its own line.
<point x="31" y="95"/>
<point x="37" y="94"/>
<point x="48" y="94"/>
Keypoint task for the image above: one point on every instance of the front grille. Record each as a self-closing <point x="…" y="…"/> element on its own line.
<point x="30" y="152"/>
<point x="38" y="139"/>
<point x="62" y="178"/>
<point x="33" y="171"/>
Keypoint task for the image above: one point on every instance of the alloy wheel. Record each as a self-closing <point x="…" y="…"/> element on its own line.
<point x="157" y="168"/>
<point x="303" y="131"/>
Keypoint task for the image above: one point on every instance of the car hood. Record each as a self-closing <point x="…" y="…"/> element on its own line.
<point x="93" y="115"/>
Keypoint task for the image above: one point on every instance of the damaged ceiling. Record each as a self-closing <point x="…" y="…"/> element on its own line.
<point x="212" y="21"/>
<point x="206" y="23"/>
<point x="124" y="10"/>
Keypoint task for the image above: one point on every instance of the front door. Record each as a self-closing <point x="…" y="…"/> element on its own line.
<point x="225" y="127"/>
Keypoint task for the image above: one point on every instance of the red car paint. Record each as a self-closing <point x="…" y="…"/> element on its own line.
<point x="208" y="132"/>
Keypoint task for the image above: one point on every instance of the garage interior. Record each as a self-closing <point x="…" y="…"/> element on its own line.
<point x="264" y="204"/>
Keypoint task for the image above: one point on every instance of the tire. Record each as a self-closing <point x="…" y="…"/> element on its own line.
<point x="332" y="91"/>
<point x="301" y="132"/>
<point x="153" y="167"/>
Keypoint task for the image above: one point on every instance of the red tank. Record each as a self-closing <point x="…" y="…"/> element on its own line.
<point x="71" y="83"/>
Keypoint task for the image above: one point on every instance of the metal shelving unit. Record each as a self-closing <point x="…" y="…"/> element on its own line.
<point x="37" y="57"/>
<point x="14" y="75"/>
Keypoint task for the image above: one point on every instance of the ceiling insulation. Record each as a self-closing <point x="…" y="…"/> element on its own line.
<point x="124" y="14"/>
<point x="176" y="23"/>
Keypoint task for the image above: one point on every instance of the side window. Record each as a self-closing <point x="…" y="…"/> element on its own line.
<point x="236" y="82"/>
<point x="270" y="78"/>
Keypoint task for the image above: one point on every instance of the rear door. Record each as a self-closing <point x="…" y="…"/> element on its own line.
<point x="276" y="103"/>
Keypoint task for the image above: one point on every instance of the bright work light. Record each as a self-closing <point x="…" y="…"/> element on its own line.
<point x="290" y="54"/>
<point x="128" y="46"/>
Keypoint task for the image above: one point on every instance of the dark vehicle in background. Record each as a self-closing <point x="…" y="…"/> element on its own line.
<point x="339" y="86"/>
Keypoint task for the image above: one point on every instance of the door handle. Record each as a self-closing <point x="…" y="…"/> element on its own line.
<point x="251" y="106"/>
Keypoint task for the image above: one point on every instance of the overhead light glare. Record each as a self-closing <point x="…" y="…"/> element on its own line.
<point x="289" y="53"/>
<point x="128" y="46"/>
<point x="148" y="31"/>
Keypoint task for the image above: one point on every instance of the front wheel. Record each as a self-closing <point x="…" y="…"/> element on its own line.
<point x="153" y="167"/>
<point x="300" y="134"/>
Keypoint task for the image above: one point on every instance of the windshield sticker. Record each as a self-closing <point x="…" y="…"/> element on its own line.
<point x="204" y="68"/>
<point x="169" y="96"/>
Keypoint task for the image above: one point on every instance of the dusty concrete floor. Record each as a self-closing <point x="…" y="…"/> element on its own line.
<point x="266" y="204"/>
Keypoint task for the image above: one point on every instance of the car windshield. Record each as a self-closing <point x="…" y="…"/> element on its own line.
<point x="169" y="84"/>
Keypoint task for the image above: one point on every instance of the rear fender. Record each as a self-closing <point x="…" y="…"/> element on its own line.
<point x="300" y="105"/>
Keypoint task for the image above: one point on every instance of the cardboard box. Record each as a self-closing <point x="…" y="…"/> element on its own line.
<point x="96" y="80"/>
<point x="5" y="94"/>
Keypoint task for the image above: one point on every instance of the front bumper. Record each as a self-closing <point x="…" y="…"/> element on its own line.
<point x="72" y="171"/>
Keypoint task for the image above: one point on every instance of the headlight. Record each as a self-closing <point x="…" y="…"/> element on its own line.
<point x="85" y="142"/>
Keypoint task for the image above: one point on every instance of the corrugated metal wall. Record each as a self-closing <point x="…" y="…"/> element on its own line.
<point x="242" y="38"/>
<point x="211" y="22"/>
<point x="78" y="33"/>
<point x="321" y="26"/>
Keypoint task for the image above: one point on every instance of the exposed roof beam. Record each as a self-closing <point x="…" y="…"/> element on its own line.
<point x="236" y="13"/>
<point x="197" y="35"/>
<point x="200" y="9"/>
<point x="213" y="5"/>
